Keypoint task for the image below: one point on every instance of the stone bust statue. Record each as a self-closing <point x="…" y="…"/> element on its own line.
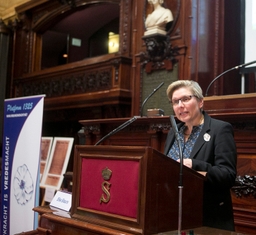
<point x="156" y="21"/>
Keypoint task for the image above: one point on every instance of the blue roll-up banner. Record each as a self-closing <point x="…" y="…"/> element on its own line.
<point x="22" y="134"/>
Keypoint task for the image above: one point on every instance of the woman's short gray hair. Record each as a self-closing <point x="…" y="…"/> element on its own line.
<point x="192" y="85"/>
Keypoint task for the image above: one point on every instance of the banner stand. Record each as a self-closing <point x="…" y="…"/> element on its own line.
<point x="20" y="163"/>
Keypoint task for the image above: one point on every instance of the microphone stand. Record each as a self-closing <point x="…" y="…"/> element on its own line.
<point x="236" y="67"/>
<point x="119" y="128"/>
<point x="206" y="93"/>
<point x="180" y="186"/>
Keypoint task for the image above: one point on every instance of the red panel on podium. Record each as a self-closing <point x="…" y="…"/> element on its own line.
<point x="123" y="186"/>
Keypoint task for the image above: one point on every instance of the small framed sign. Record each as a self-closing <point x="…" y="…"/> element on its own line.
<point x="58" y="162"/>
<point x="46" y="144"/>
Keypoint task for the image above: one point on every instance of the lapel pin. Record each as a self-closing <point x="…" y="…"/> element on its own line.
<point x="207" y="137"/>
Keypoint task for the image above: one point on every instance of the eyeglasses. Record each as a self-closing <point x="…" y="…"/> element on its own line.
<point x="184" y="100"/>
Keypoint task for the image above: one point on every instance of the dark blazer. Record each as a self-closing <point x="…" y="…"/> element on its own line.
<point x="215" y="153"/>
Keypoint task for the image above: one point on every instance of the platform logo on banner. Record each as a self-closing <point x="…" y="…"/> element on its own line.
<point x="20" y="163"/>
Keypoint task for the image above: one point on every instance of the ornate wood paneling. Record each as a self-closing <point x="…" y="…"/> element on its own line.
<point x="84" y="84"/>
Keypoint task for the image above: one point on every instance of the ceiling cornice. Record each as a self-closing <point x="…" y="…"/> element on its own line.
<point x="7" y="8"/>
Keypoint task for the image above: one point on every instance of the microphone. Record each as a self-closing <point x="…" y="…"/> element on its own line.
<point x="130" y="121"/>
<point x="244" y="65"/>
<point x="236" y="67"/>
<point x="175" y="129"/>
<point x="152" y="93"/>
<point x="119" y="128"/>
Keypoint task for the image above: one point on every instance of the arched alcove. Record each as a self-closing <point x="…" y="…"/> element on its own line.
<point x="82" y="33"/>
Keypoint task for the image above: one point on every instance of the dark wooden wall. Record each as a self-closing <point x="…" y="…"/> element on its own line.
<point x="204" y="36"/>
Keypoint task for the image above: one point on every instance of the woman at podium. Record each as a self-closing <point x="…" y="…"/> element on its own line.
<point x="207" y="145"/>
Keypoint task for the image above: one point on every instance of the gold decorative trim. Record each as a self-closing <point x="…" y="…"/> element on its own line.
<point x="105" y="186"/>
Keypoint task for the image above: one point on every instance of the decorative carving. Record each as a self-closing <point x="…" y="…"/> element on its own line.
<point x="116" y="64"/>
<point x="163" y="127"/>
<point x="245" y="186"/>
<point x="24" y="22"/>
<point x="124" y="25"/>
<point x="245" y="125"/>
<point x="159" y="54"/>
<point x="67" y="85"/>
<point x="156" y="46"/>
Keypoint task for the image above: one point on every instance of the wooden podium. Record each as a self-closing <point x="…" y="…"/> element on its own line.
<point x="132" y="190"/>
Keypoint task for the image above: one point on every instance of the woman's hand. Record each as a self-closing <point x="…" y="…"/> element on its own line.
<point x="186" y="162"/>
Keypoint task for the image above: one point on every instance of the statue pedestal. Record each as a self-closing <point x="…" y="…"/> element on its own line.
<point x="156" y="46"/>
<point x="159" y="53"/>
